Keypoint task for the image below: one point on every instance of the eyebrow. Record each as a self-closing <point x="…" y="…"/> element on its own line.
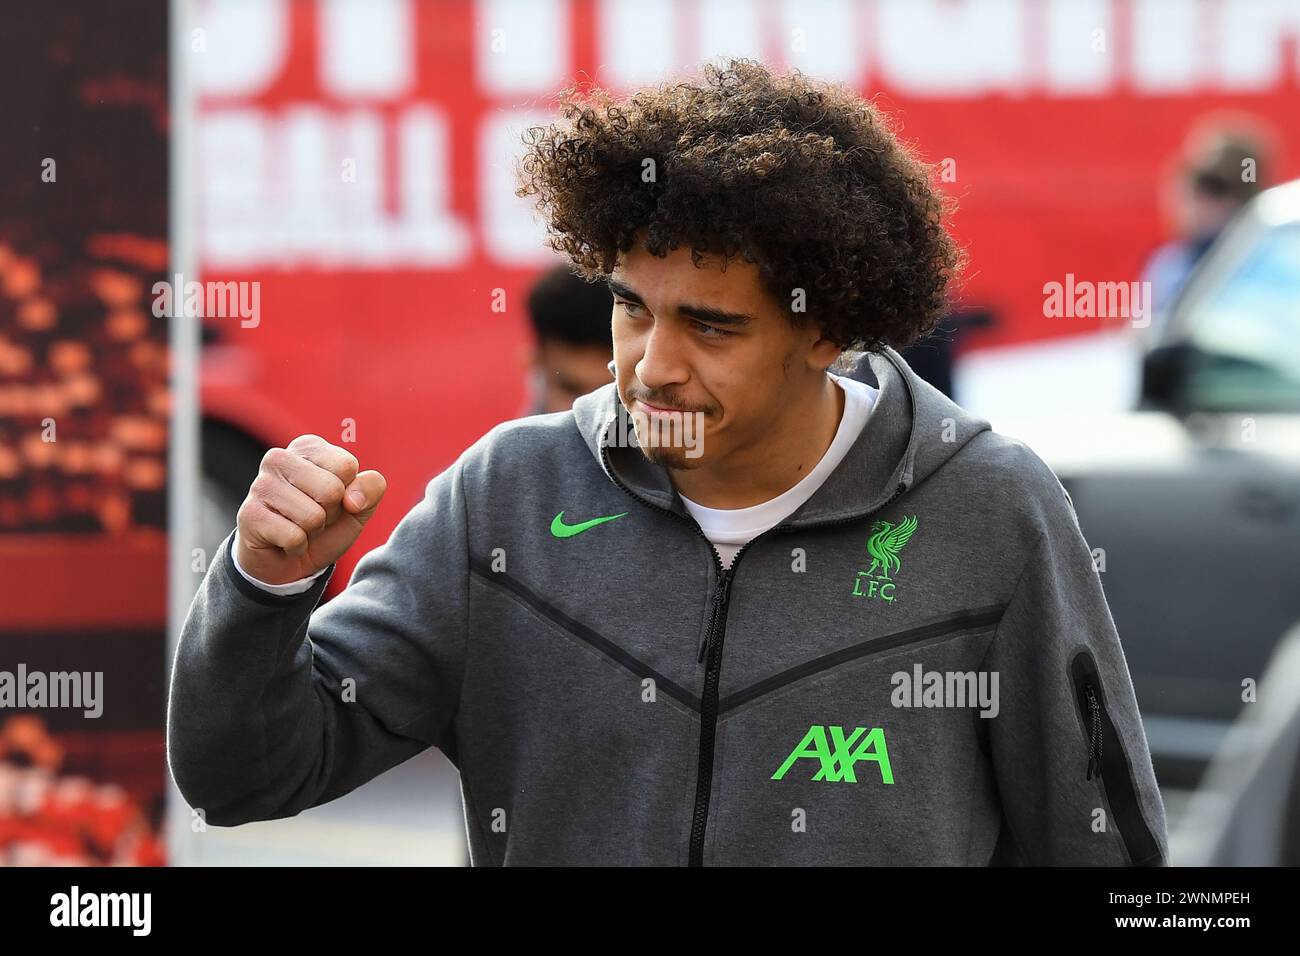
<point x="704" y="313"/>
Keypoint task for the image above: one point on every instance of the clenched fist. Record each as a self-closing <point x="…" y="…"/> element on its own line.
<point x="306" y="506"/>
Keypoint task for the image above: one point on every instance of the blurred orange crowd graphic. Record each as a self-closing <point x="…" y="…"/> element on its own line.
<point x="52" y="818"/>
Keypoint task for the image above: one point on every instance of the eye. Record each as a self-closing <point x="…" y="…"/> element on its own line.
<point x="709" y="331"/>
<point x="629" y="306"/>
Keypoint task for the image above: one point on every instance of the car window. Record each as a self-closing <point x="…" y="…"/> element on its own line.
<point x="1247" y="330"/>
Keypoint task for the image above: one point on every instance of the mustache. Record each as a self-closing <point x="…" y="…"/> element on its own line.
<point x="665" y="403"/>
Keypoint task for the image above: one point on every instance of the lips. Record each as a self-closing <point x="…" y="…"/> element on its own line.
<point x="660" y="409"/>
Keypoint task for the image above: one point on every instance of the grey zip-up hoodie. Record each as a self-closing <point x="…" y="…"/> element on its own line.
<point x="918" y="666"/>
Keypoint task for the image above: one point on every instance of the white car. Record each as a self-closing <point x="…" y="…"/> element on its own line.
<point x="1190" y="499"/>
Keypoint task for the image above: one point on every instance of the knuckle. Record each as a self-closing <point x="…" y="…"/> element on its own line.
<point x="252" y="515"/>
<point x="343" y="465"/>
<point x="315" y="520"/>
<point x="334" y="489"/>
<point x="306" y="441"/>
<point x="261" y="487"/>
<point x="274" y="458"/>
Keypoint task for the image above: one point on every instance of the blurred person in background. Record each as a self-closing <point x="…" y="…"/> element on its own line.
<point x="572" y="344"/>
<point x="1222" y="168"/>
<point x="934" y="357"/>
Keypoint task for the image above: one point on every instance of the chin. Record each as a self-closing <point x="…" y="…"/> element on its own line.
<point x="675" y="458"/>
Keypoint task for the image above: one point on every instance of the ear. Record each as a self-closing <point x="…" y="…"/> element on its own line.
<point x="823" y="352"/>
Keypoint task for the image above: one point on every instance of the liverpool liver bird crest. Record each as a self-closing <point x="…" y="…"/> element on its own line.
<point x="884" y="544"/>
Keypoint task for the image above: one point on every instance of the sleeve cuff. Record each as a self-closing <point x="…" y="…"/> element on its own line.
<point x="257" y="591"/>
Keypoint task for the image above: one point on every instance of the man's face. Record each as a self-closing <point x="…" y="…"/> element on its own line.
<point x="1204" y="212"/>
<point x="567" y="371"/>
<point x="703" y="340"/>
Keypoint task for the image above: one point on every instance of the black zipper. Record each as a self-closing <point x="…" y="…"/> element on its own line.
<point x="720" y="595"/>
<point x="1106" y="760"/>
<point x="1092" y="707"/>
<point x="711" y="652"/>
<point x="712" y="678"/>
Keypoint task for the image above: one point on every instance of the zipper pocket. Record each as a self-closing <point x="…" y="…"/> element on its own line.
<point x="1108" y="763"/>
<point x="979" y="618"/>
<point x="1092" y="708"/>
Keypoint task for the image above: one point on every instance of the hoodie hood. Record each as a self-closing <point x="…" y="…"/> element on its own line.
<point x="913" y="429"/>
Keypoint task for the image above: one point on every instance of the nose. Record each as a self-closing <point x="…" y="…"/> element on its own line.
<point x="661" y="364"/>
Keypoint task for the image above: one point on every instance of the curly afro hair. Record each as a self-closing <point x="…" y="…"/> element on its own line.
<point x="804" y="179"/>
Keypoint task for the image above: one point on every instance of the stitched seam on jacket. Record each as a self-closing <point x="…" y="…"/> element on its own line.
<point x="478" y="824"/>
<point x="992" y="644"/>
<point x="731" y="703"/>
<point x="1012" y="599"/>
<point x="673" y="690"/>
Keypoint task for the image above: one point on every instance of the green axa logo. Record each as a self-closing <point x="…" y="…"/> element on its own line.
<point x="887" y="539"/>
<point x="836" y="757"/>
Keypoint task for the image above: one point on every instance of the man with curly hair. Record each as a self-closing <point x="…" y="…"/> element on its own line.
<point x="732" y="608"/>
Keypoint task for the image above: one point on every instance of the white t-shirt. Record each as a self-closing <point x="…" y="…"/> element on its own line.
<point x="730" y="529"/>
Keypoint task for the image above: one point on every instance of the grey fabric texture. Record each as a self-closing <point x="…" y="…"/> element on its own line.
<point x="562" y="675"/>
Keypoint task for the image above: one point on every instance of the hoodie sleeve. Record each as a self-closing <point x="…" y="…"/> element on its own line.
<point x="277" y="706"/>
<point x="1068" y="749"/>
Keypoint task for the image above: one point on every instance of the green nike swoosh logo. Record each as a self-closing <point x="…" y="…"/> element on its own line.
<point x="562" y="530"/>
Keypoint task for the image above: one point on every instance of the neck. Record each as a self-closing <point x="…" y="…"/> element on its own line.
<point x="759" y="472"/>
